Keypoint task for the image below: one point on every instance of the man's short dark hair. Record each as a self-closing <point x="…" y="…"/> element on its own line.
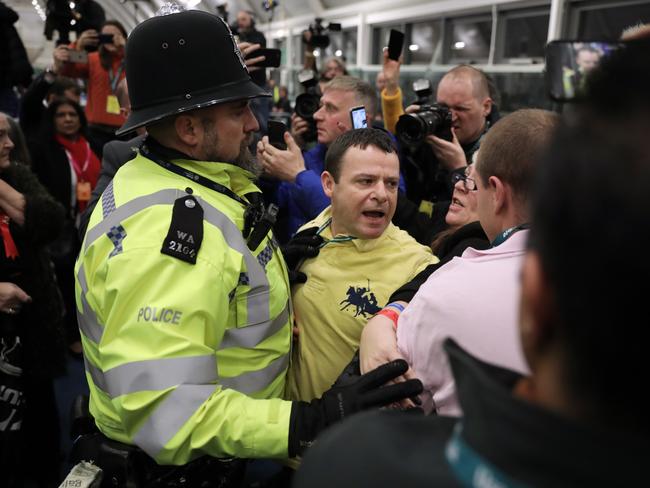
<point x="361" y="138"/>
<point x="591" y="229"/>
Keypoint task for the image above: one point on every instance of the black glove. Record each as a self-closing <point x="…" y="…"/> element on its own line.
<point x="339" y="402"/>
<point x="305" y="244"/>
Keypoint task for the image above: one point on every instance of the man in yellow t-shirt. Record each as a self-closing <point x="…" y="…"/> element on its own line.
<point x="363" y="259"/>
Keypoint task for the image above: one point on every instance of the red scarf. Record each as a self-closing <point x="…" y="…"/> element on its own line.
<point x="85" y="163"/>
<point x="11" y="251"/>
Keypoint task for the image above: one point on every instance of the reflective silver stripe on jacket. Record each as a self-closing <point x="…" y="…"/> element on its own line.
<point x="257" y="298"/>
<point x="251" y="336"/>
<point x="123" y="212"/>
<point x="253" y="381"/>
<point x="154" y="374"/>
<point x="86" y="318"/>
<point x="170" y="416"/>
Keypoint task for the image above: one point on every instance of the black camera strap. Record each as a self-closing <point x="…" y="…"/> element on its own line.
<point x="258" y="220"/>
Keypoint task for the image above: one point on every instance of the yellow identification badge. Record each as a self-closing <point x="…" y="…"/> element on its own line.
<point x="83" y="191"/>
<point x="426" y="207"/>
<point x="112" y="105"/>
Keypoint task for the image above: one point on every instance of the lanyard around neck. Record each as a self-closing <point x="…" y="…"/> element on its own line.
<point x="258" y="220"/>
<point x="114" y="76"/>
<point x="471" y="469"/>
<point x="190" y="175"/>
<point x="503" y="237"/>
<point x="80" y="171"/>
<point x="327" y="224"/>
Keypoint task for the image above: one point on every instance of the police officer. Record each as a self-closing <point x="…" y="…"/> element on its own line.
<point x="182" y="293"/>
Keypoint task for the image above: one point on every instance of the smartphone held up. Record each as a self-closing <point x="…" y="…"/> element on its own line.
<point x="276" y="130"/>
<point x="358" y="117"/>
<point x="395" y="44"/>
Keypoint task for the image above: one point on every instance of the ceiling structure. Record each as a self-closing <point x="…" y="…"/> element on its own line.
<point x="288" y="16"/>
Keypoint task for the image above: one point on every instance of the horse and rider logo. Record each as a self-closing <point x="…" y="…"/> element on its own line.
<point x="362" y="299"/>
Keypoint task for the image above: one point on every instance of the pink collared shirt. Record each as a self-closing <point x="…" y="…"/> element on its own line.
<point x="473" y="299"/>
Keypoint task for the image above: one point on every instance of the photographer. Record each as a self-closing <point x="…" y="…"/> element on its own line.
<point x="104" y="69"/>
<point x="466" y="92"/>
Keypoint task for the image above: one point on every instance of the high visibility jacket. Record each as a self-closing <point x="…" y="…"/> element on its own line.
<point x="183" y="359"/>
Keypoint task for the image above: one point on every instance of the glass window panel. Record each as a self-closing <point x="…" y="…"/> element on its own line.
<point x="521" y="90"/>
<point x="350" y="45"/>
<point x="425" y="37"/>
<point x="469" y="40"/>
<point x="609" y="21"/>
<point x="526" y="36"/>
<point x="298" y="50"/>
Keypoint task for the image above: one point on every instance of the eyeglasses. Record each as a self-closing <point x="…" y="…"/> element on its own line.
<point x="468" y="183"/>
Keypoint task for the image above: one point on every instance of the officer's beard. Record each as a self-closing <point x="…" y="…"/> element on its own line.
<point x="244" y="159"/>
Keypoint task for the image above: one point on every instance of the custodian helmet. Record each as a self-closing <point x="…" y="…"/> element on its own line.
<point x="180" y="62"/>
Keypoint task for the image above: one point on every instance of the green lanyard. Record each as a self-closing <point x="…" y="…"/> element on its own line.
<point x="471" y="469"/>
<point x="114" y="77"/>
<point x="503" y="237"/>
<point x="334" y="239"/>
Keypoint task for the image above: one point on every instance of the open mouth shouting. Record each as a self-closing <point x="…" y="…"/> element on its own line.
<point x="374" y="215"/>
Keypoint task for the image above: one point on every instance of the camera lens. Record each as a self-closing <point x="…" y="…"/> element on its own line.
<point x="306" y="105"/>
<point x="411" y="128"/>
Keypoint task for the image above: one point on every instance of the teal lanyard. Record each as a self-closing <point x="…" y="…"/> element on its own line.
<point x="471" y="469"/>
<point x="503" y="237"/>
<point x="334" y="239"/>
<point x="115" y="78"/>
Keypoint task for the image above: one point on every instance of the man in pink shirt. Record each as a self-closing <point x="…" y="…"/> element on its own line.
<point x="474" y="298"/>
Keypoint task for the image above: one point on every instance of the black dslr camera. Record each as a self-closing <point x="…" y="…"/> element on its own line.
<point x="432" y="118"/>
<point x="316" y="35"/>
<point x="307" y="103"/>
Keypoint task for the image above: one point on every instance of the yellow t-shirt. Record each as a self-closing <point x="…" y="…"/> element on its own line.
<point x="347" y="283"/>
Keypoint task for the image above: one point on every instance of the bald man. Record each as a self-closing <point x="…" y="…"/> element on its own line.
<point x="465" y="90"/>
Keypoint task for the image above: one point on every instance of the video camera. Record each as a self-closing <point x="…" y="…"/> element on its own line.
<point x="59" y="18"/>
<point x="307" y="103"/>
<point x="431" y="118"/>
<point x="316" y="35"/>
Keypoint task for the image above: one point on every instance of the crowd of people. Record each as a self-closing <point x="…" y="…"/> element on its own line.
<point x="234" y="301"/>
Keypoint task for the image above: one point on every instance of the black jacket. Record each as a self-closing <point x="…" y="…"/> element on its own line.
<point x="32" y="110"/>
<point x="528" y="445"/>
<point x="15" y="68"/>
<point x="39" y="322"/>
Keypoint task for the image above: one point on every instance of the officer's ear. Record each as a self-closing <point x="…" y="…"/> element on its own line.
<point x="188" y="129"/>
